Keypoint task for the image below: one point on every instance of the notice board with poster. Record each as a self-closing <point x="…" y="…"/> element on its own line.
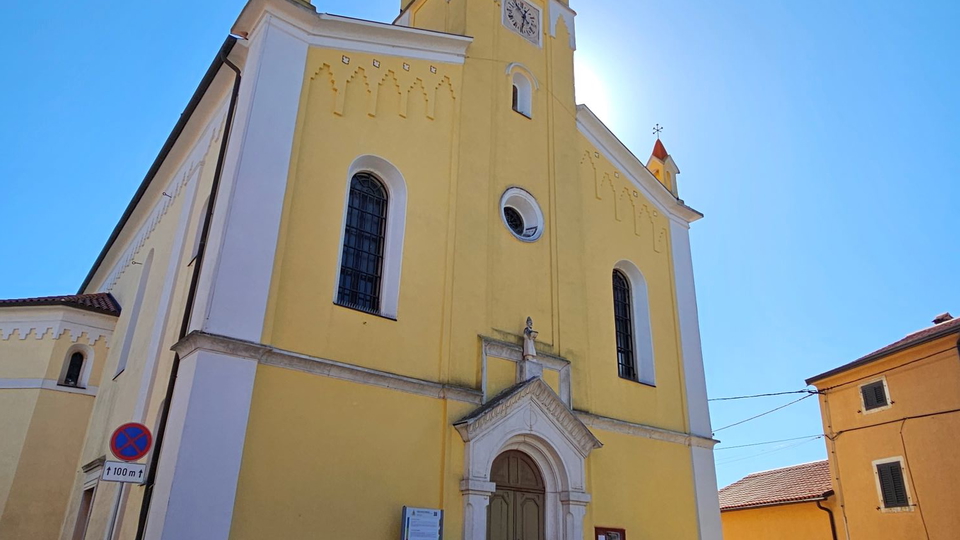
<point x="421" y="524"/>
<point x="605" y="533"/>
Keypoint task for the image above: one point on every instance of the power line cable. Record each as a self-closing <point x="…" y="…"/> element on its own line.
<point x="804" y="391"/>
<point x="769" y="442"/>
<point x="763" y="413"/>
<point x="787" y="447"/>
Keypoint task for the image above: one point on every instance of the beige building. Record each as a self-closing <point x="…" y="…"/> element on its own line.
<point x="52" y="352"/>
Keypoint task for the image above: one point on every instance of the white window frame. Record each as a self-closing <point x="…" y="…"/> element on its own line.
<point x="396" y="225"/>
<point x="886" y="390"/>
<point x="906" y="484"/>
<point x="643" y="354"/>
<point x="526" y="84"/>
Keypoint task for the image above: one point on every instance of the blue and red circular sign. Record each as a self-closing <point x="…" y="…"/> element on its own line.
<point x="131" y="442"/>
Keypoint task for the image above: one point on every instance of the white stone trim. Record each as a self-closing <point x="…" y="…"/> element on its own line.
<point x="46" y="384"/>
<point x="515" y="67"/>
<point x="393" y="180"/>
<point x="526" y="205"/>
<point x="558" y="10"/>
<point x="536" y="422"/>
<point x="272" y="356"/>
<point x="644" y="358"/>
<point x="199" y="466"/>
<point x="707" y="495"/>
<point x="695" y="384"/>
<point x="250" y="205"/>
<point x="347" y="34"/>
<point x="53" y="321"/>
<point x="514" y="353"/>
<point x="612" y="149"/>
<point x="641" y="430"/>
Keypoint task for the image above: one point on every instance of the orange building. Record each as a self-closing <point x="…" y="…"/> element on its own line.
<point x="792" y="503"/>
<point x="891" y="422"/>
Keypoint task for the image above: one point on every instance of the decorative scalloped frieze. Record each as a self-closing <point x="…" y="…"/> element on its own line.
<point x="52" y="330"/>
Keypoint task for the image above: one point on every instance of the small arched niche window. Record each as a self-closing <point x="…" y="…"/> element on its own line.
<point x="73" y="370"/>
<point x="522" y="94"/>
<point x="631" y="313"/>
<point x="361" y="263"/>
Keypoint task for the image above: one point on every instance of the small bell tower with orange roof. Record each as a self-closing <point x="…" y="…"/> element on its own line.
<point x="662" y="166"/>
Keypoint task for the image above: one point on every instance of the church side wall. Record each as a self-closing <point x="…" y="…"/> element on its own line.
<point x="153" y="255"/>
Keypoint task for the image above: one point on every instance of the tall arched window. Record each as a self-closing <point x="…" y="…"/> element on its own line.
<point x="631" y="310"/>
<point x="361" y="266"/>
<point x="623" y="317"/>
<point x="74" y="370"/>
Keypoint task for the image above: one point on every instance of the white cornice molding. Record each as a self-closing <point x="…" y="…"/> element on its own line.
<point x="614" y="150"/>
<point x="348" y="34"/>
<point x="53" y="321"/>
<point x="45" y="384"/>
<point x="641" y="430"/>
<point x="272" y="356"/>
<point x="536" y="391"/>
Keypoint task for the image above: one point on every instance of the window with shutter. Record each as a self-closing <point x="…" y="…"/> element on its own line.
<point x="874" y="395"/>
<point x="892" y="485"/>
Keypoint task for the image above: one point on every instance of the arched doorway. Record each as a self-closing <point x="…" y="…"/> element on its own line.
<point x="516" y="510"/>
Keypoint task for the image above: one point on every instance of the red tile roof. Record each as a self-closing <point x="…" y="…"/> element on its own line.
<point x="931" y="332"/>
<point x="98" y="302"/>
<point x="659" y="151"/>
<point x="810" y="481"/>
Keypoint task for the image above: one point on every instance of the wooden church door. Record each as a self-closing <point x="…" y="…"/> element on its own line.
<point x="516" y="510"/>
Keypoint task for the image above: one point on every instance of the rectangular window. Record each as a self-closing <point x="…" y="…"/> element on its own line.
<point x="893" y="489"/>
<point x="874" y="395"/>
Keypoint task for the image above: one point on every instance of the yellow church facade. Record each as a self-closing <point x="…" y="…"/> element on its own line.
<point x="380" y="266"/>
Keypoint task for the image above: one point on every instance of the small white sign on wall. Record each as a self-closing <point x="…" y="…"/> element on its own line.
<point x="421" y="524"/>
<point x="118" y="471"/>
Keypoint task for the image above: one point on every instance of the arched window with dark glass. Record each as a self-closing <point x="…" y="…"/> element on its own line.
<point x="361" y="266"/>
<point x="623" y="317"/>
<point x="74" y="369"/>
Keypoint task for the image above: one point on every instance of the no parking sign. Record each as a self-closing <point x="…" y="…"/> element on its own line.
<point x="131" y="442"/>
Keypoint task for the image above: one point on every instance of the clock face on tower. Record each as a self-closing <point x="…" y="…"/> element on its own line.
<point x="523" y="19"/>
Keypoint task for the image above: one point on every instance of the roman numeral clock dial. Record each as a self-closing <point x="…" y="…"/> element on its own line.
<point x="523" y="19"/>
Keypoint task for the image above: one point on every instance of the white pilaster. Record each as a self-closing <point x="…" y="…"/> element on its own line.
<point x="476" y="498"/>
<point x="705" y="476"/>
<point x="200" y="463"/>
<point x="243" y="239"/>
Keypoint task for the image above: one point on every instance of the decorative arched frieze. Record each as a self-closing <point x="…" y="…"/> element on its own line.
<point x="530" y="418"/>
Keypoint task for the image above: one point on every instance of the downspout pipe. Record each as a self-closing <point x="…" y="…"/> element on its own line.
<point x="192" y="294"/>
<point x="833" y="523"/>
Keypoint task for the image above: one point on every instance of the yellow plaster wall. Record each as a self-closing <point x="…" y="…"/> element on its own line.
<point x="651" y="498"/>
<point x="41" y="487"/>
<point x="918" y="427"/>
<point x="800" y="521"/>
<point x="17" y="407"/>
<point x="336" y="459"/>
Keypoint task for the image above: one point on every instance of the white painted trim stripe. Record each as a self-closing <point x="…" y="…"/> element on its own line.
<point x="45" y="384"/>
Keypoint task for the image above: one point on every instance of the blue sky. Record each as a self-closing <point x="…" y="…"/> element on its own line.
<point x="819" y="138"/>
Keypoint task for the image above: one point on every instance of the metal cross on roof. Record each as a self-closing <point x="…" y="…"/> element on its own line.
<point x="657" y="129"/>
